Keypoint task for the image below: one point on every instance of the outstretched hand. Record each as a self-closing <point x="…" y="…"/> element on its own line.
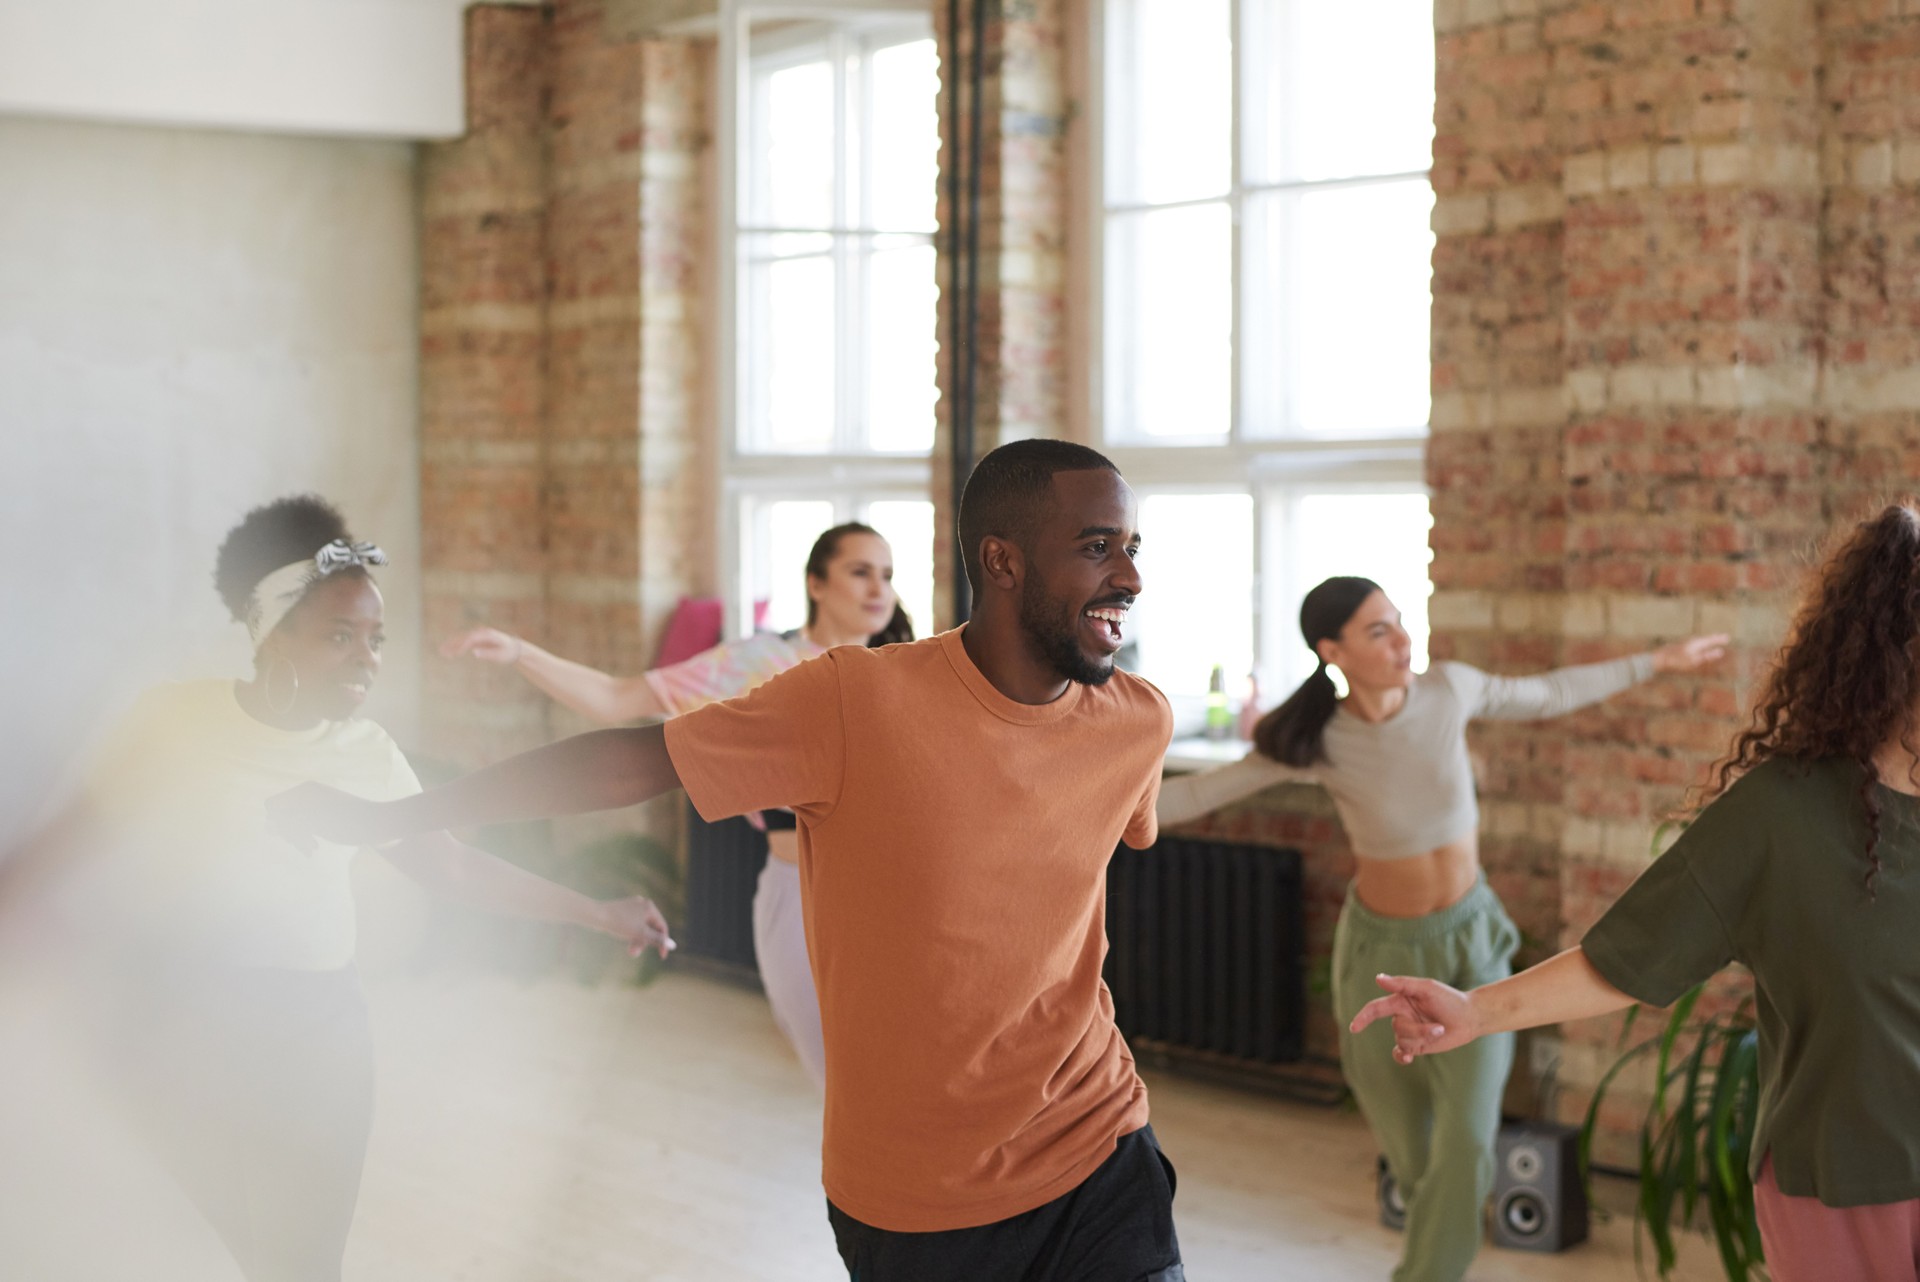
<point x="489" y="644"/>
<point x="311" y="812"/>
<point x="1692" y="654"/>
<point x="1428" y="1017"/>
<point x="638" y="921"/>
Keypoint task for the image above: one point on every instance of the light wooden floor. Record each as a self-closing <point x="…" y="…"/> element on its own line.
<point x="547" y="1132"/>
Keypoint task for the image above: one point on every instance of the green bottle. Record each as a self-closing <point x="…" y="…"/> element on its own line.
<point x="1219" y="715"/>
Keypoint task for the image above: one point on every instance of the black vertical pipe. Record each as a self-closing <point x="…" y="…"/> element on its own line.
<point x="950" y="68"/>
<point x="964" y="248"/>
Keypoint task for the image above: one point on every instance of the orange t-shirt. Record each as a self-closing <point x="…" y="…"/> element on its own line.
<point x="953" y="857"/>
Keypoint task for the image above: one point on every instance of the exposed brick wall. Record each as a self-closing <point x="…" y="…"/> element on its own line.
<point x="562" y="421"/>
<point x="483" y="386"/>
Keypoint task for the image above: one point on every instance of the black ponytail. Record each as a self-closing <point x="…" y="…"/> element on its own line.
<point x="1294" y="733"/>
<point x="899" y="628"/>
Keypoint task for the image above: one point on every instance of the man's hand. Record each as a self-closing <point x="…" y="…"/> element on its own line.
<point x="1692" y="654"/>
<point x="1428" y="1017"/>
<point x="313" y="811"/>
<point x="488" y="644"/>
<point x="638" y="922"/>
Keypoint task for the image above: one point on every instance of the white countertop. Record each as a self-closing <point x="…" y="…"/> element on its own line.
<point x="1198" y="753"/>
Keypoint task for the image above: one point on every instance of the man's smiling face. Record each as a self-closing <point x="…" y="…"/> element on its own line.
<point x="1081" y="577"/>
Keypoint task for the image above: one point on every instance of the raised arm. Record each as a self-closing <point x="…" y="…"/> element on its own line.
<point x="600" y="770"/>
<point x="1556" y="693"/>
<point x="1184" y="797"/>
<point x="598" y="696"/>
<point x="1429" y="1017"/>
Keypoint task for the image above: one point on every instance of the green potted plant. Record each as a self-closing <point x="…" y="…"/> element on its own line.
<point x="1697" y="1135"/>
<point x="612" y="867"/>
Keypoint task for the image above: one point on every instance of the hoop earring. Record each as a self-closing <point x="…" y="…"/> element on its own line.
<point x="266" y="686"/>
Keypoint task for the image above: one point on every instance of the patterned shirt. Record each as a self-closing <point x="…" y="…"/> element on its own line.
<point x="728" y="670"/>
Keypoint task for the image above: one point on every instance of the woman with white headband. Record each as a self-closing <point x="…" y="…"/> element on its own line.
<point x="245" y="1045"/>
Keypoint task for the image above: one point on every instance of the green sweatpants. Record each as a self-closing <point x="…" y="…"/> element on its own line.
<point x="1435" y="1119"/>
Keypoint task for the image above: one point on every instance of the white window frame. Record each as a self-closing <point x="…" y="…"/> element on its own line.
<point x="1274" y="469"/>
<point x="849" y="474"/>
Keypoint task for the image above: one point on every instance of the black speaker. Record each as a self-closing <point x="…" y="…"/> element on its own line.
<point x="1393" y="1207"/>
<point x="1539" y="1202"/>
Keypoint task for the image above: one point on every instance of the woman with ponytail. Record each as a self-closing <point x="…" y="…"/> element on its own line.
<point x="1393" y="753"/>
<point x="1801" y="866"/>
<point x="850" y="601"/>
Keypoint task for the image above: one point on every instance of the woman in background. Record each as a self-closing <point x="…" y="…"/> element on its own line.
<point x="850" y="601"/>
<point x="1393" y="753"/>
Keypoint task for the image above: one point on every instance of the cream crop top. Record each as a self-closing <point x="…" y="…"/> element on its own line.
<point x="1404" y="786"/>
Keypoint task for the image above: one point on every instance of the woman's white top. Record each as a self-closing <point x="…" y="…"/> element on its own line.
<point x="191" y="866"/>
<point x="1404" y="786"/>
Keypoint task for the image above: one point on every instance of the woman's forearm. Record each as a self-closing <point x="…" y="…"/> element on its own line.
<point x="1564" y="987"/>
<point x="1188" y="796"/>
<point x="491" y="884"/>
<point x="598" y="696"/>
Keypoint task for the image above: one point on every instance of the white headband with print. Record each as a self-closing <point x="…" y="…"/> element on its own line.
<point x="280" y="591"/>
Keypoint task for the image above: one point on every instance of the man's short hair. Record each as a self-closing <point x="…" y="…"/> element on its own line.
<point x="1006" y="497"/>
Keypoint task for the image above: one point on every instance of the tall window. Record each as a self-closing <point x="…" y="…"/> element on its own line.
<point x="831" y="367"/>
<point x="1262" y="347"/>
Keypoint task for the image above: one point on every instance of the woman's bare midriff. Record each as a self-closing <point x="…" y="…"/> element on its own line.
<point x="784" y="844"/>
<point x="1423" y="884"/>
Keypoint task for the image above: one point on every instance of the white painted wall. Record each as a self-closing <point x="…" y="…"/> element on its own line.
<point x="191" y="323"/>
<point x="353" y="68"/>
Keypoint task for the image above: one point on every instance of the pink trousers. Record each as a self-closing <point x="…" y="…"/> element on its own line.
<point x="1807" y="1241"/>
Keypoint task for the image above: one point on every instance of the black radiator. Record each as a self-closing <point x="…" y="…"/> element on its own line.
<point x="1206" y="949"/>
<point x="723" y="868"/>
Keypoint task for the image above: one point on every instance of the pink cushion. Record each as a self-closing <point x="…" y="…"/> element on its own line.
<point x="696" y="625"/>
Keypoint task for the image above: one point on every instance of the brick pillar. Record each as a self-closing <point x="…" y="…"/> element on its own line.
<point x="679" y="444"/>
<point x="1021" y="335"/>
<point x="562" y="428"/>
<point x="483" y="387"/>
<point x="1692" y="332"/>
<point x="593" y="345"/>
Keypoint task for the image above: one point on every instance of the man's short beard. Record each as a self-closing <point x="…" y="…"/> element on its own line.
<point x="1054" y="628"/>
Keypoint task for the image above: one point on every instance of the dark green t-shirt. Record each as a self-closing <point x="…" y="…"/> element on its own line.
<point x="1773" y="875"/>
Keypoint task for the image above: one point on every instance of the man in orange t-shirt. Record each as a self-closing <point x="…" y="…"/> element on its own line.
<point x="959" y="799"/>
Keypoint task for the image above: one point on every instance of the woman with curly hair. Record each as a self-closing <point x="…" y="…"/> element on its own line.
<point x="1393" y="754"/>
<point x="236" y="1023"/>
<point x="1803" y="865"/>
<point x="850" y="601"/>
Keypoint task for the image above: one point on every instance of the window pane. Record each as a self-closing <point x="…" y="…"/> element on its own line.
<point x="780" y="534"/>
<point x="902" y="304"/>
<point x="1338" y="311"/>
<point x="1169" y="100"/>
<point x="799" y="166"/>
<point x="790" y="362"/>
<point x="904" y="168"/>
<point x="1337" y="89"/>
<point x="1169" y="317"/>
<point x="1196" y="596"/>
<point x="907" y="525"/>
<point x="1382" y="537"/>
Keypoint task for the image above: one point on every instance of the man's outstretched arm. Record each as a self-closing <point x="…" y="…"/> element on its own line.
<point x="601" y="770"/>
